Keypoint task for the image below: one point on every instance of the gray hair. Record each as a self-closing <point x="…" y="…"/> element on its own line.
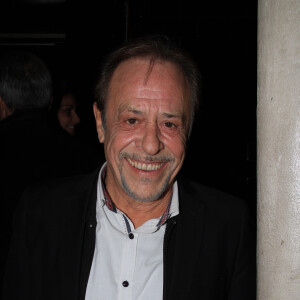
<point x="25" y="82"/>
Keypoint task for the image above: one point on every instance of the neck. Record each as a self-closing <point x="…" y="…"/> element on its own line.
<point x="139" y="212"/>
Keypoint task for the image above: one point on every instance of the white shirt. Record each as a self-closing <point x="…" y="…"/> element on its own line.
<point x="127" y="268"/>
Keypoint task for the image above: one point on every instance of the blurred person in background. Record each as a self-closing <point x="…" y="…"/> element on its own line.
<point x="67" y="115"/>
<point x="73" y="154"/>
<point x="25" y="97"/>
<point x="63" y="111"/>
<point x="31" y="149"/>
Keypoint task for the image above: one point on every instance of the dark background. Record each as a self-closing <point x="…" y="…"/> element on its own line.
<point x="73" y="36"/>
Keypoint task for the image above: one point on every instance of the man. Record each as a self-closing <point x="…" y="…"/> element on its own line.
<point x="29" y="149"/>
<point x="25" y="83"/>
<point x="132" y="231"/>
<point x="25" y="95"/>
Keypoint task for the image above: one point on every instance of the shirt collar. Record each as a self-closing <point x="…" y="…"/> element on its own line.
<point x="171" y="210"/>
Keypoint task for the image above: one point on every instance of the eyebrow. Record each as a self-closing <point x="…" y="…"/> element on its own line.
<point x="125" y="108"/>
<point x="135" y="111"/>
<point x="173" y="115"/>
<point x="70" y="105"/>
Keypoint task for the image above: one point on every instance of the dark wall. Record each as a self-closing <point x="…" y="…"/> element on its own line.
<point x="221" y="36"/>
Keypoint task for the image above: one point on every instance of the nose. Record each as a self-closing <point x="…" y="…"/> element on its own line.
<point x="75" y="118"/>
<point x="151" y="142"/>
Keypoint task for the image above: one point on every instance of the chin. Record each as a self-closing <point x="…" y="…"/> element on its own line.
<point x="70" y="131"/>
<point x="142" y="196"/>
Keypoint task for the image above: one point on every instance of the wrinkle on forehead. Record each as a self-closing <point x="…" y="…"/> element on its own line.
<point x="152" y="62"/>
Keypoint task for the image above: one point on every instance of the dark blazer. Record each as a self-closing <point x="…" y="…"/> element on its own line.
<point x="209" y="250"/>
<point x="31" y="151"/>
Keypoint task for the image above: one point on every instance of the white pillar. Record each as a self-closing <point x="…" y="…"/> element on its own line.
<point x="278" y="115"/>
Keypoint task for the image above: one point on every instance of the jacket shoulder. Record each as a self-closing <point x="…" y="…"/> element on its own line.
<point x="58" y="197"/>
<point x="194" y="196"/>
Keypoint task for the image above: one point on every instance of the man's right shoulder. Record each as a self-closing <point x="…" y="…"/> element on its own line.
<point x="59" y="195"/>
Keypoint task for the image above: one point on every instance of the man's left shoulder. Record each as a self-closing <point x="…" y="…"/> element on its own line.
<point x="195" y="197"/>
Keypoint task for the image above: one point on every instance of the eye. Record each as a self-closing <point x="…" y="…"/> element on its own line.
<point x="170" y="125"/>
<point x="131" y="121"/>
<point x="65" y="110"/>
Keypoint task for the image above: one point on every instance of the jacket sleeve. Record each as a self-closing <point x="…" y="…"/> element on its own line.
<point x="16" y="284"/>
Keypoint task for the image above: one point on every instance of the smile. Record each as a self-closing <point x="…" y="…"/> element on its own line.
<point x="145" y="166"/>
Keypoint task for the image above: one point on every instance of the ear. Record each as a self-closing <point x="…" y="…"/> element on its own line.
<point x="99" y="125"/>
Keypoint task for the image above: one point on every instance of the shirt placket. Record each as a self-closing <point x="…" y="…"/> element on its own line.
<point x="128" y="262"/>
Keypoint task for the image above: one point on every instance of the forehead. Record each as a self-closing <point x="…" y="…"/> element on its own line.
<point x="140" y="79"/>
<point x="68" y="99"/>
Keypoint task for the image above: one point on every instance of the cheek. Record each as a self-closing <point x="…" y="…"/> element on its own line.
<point x="63" y="118"/>
<point x="176" y="146"/>
<point x="117" y="140"/>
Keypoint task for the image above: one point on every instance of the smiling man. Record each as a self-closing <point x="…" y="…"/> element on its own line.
<point x="132" y="230"/>
<point x="145" y="135"/>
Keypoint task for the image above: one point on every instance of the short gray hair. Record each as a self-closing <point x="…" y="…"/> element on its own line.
<point x="25" y="82"/>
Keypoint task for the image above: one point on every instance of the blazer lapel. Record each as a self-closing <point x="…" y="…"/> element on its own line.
<point x="183" y="243"/>
<point x="89" y="237"/>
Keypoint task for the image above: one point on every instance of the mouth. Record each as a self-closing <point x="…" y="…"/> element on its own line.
<point x="145" y="166"/>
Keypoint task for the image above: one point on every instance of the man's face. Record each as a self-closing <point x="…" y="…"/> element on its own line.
<point x="147" y="116"/>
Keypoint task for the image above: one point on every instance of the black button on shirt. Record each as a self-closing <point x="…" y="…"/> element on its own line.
<point x="131" y="235"/>
<point x="125" y="283"/>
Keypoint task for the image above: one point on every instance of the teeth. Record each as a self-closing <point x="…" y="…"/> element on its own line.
<point x="145" y="167"/>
